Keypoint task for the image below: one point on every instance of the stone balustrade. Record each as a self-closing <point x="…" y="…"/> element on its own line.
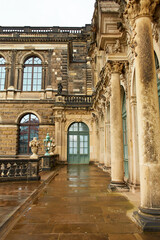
<point x="21" y="169"/>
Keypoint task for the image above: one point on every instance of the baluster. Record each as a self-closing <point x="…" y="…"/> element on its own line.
<point x="18" y="169"/>
<point x="11" y="172"/>
<point x="5" y="170"/>
<point x="24" y="169"/>
<point x="1" y="169"/>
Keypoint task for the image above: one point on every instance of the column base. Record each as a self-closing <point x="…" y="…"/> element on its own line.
<point x="101" y="165"/>
<point x="118" y="187"/>
<point x="148" y="220"/>
<point x="106" y="169"/>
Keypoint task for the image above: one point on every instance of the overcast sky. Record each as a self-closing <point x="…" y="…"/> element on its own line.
<point x="46" y="12"/>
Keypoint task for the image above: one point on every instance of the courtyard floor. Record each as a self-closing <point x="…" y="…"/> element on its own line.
<point x="76" y="205"/>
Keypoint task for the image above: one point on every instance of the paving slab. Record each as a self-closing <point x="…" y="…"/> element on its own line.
<point x="15" y="197"/>
<point x="76" y="205"/>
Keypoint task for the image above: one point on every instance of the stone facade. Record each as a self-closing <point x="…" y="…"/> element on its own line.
<point x="63" y="52"/>
<point x="110" y="82"/>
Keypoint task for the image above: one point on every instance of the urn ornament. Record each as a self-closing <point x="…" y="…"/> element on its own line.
<point x="34" y="144"/>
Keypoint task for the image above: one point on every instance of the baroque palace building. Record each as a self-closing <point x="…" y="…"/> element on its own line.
<point x="95" y="90"/>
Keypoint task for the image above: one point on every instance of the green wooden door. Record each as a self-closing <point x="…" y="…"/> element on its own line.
<point x="125" y="142"/>
<point x="78" y="144"/>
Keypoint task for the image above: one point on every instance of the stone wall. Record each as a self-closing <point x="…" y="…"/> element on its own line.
<point x="11" y="114"/>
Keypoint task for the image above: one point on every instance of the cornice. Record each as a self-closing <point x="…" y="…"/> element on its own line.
<point x="41" y="39"/>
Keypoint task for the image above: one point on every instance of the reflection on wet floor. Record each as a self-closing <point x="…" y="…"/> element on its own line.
<point x="12" y="195"/>
<point x="76" y="205"/>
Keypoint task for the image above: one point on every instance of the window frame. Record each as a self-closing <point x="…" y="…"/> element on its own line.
<point x="32" y="65"/>
<point x="1" y="72"/>
<point x="29" y="124"/>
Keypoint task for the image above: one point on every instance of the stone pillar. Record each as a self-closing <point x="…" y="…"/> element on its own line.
<point x="12" y="75"/>
<point x="102" y="146"/>
<point x="148" y="215"/>
<point x="19" y="77"/>
<point x="117" y="162"/>
<point x="58" y="135"/>
<point x="136" y="174"/>
<point x="108" y="141"/>
<point x="95" y="142"/>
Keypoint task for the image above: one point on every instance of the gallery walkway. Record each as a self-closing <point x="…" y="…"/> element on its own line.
<point x="76" y="205"/>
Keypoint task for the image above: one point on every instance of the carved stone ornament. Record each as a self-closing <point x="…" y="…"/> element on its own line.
<point x="155" y="32"/>
<point x="34" y="144"/>
<point x="117" y="47"/>
<point x="137" y="8"/>
<point x="95" y="118"/>
<point x="52" y="147"/>
<point x="115" y="66"/>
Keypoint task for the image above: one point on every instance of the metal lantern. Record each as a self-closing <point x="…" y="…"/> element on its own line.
<point x="47" y="144"/>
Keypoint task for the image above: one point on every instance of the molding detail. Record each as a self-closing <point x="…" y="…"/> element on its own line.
<point x="137" y="8"/>
<point x="115" y="66"/>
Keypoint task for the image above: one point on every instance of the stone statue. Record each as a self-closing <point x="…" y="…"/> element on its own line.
<point x="52" y="148"/>
<point x="34" y="144"/>
<point x="60" y="87"/>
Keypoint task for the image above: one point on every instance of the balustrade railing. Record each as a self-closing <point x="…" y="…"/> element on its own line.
<point x="78" y="100"/>
<point x="23" y="169"/>
<point x="28" y="29"/>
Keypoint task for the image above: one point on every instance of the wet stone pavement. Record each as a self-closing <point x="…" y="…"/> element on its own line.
<point x="76" y="205"/>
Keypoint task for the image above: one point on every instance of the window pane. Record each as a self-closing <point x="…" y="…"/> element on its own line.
<point x="32" y="76"/>
<point x="86" y="138"/>
<point x="81" y="138"/>
<point x="85" y="150"/>
<point x="2" y="73"/>
<point x="71" y="151"/>
<point x="81" y="151"/>
<point x="23" y="139"/>
<point x="25" y="119"/>
<point x="28" y="130"/>
<point x="2" y="60"/>
<point x="75" y="150"/>
<point x="83" y="127"/>
<point x="81" y="144"/>
<point x="37" y="61"/>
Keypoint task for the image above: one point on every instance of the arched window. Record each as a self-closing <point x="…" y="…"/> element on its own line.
<point x="32" y="74"/>
<point x="2" y="73"/>
<point x="28" y="129"/>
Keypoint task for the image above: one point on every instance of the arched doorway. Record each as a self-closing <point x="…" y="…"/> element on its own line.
<point x="78" y="144"/>
<point x="125" y="142"/>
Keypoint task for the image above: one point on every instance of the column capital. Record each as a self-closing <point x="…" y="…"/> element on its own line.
<point x="115" y="66"/>
<point x="140" y="8"/>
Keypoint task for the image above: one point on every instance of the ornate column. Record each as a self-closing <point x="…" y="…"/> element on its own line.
<point x="140" y="13"/>
<point x="58" y="135"/>
<point x="8" y="68"/>
<point x="102" y="146"/>
<point x="117" y="162"/>
<point x="108" y="142"/>
<point x="136" y="178"/>
<point x="95" y="123"/>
